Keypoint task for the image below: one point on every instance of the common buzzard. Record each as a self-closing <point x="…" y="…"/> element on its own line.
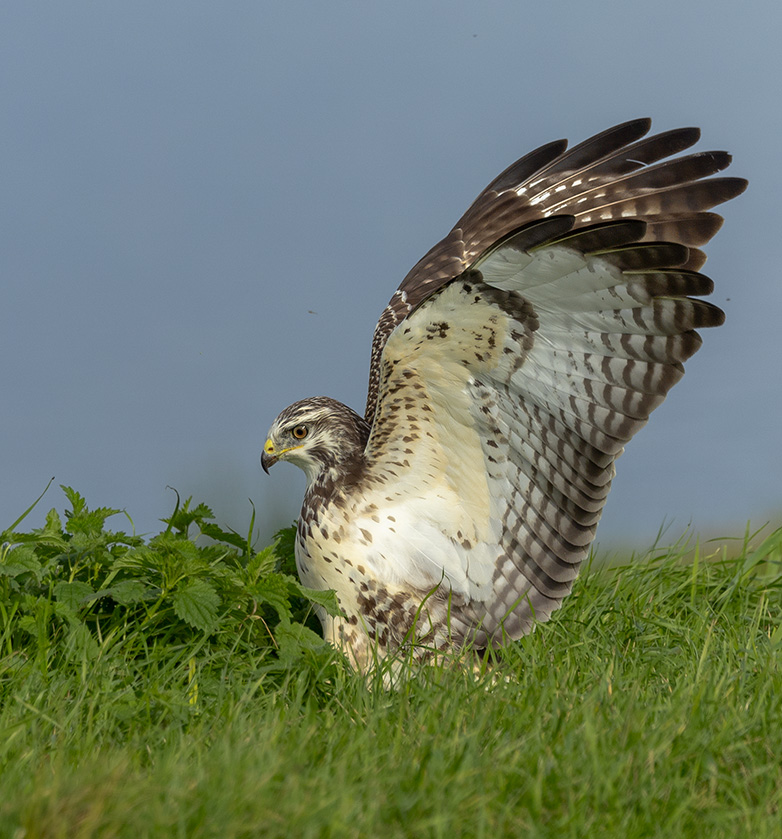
<point x="508" y="372"/>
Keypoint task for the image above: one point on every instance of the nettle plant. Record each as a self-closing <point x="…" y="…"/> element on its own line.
<point x="75" y="590"/>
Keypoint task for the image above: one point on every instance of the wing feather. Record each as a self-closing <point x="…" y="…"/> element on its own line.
<point x="618" y="174"/>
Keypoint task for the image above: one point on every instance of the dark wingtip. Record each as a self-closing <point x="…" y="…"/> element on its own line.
<point x="737" y="186"/>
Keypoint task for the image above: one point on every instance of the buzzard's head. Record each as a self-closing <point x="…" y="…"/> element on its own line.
<point x="316" y="434"/>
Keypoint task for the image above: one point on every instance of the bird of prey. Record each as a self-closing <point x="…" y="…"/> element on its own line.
<point x="508" y="371"/>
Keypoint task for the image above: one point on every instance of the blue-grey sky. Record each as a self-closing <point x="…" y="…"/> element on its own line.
<point x="205" y="206"/>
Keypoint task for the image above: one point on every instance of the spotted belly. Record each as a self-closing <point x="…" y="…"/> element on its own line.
<point x="379" y="616"/>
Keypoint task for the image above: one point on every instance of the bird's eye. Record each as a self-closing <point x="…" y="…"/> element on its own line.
<point x="300" y="432"/>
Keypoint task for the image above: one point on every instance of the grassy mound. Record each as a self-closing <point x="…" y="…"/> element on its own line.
<point x="176" y="687"/>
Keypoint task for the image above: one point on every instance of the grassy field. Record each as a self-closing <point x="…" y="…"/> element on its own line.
<point x="174" y="688"/>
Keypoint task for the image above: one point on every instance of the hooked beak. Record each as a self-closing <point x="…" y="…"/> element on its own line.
<point x="268" y="457"/>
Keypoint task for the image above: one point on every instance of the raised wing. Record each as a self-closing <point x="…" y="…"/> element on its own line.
<point x="505" y="399"/>
<point x="615" y="174"/>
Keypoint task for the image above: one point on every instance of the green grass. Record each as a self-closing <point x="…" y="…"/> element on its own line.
<point x="651" y="705"/>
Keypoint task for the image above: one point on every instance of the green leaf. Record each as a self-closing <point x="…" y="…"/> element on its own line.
<point x="295" y="639"/>
<point x="43" y="537"/>
<point x="72" y="595"/>
<point x="214" y="531"/>
<point x="90" y="522"/>
<point x="62" y="609"/>
<point x="28" y="624"/>
<point x="196" y="603"/>
<point x="274" y="589"/>
<point x="128" y="592"/>
<point x="77" y="501"/>
<point x="182" y="517"/>
<point x="80" y="643"/>
<point x="20" y="560"/>
<point x="53" y="524"/>
<point x="327" y="598"/>
<point x="81" y="519"/>
<point x="261" y="563"/>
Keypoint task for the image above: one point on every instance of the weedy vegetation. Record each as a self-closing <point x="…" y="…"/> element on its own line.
<point x="177" y="686"/>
